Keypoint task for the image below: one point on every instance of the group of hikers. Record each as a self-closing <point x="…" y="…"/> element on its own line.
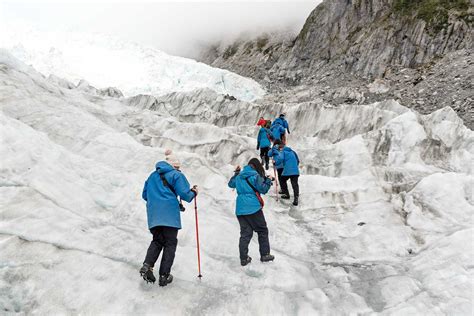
<point x="167" y="184"/>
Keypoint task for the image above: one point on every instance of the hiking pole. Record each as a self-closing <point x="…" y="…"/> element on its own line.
<point x="276" y="180"/>
<point x="197" y="237"/>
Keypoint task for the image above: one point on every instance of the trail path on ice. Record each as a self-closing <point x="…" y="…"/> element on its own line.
<point x="73" y="225"/>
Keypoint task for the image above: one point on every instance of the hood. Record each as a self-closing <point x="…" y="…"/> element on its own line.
<point x="163" y="167"/>
<point x="248" y="171"/>
<point x="287" y="149"/>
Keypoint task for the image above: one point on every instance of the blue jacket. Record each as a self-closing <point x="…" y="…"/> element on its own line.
<point x="277" y="130"/>
<point x="162" y="205"/>
<point x="273" y="153"/>
<point x="290" y="161"/>
<point x="282" y="122"/>
<point x="247" y="201"/>
<point x="262" y="140"/>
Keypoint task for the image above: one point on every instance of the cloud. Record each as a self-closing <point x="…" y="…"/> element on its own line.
<point x="178" y="28"/>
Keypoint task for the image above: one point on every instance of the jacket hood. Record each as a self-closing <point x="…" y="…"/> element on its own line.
<point x="248" y="171"/>
<point x="163" y="167"/>
<point x="287" y="149"/>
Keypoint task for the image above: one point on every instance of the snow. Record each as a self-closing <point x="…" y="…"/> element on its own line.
<point x="384" y="225"/>
<point x="105" y="61"/>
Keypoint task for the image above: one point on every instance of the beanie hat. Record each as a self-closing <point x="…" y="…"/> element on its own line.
<point x="172" y="159"/>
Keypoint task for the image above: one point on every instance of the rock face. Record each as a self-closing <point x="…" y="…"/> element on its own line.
<point x="254" y="58"/>
<point x="364" y="37"/>
<point x="368" y="50"/>
<point x="369" y="37"/>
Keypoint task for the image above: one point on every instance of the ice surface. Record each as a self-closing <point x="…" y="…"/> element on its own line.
<point x="105" y="61"/>
<point x="384" y="225"/>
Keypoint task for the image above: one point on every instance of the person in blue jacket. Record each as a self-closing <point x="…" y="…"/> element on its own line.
<point x="290" y="161"/>
<point x="275" y="151"/>
<point x="250" y="183"/>
<point x="282" y="121"/>
<point x="160" y="192"/>
<point x="284" y="126"/>
<point x="263" y="143"/>
<point x="277" y="132"/>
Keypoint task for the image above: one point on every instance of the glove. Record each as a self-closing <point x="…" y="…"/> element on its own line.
<point x="195" y="190"/>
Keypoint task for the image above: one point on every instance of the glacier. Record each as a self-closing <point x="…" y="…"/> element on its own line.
<point x="104" y="61"/>
<point x="384" y="225"/>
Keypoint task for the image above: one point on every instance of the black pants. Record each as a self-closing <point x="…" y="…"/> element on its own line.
<point x="294" y="184"/>
<point x="264" y="155"/>
<point x="165" y="238"/>
<point x="249" y="224"/>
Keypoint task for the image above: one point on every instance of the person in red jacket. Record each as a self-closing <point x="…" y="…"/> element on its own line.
<point x="261" y="122"/>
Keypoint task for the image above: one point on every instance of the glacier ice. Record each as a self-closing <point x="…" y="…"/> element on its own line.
<point x="106" y="61"/>
<point x="384" y="225"/>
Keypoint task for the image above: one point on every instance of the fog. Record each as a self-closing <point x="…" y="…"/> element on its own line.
<point x="178" y="28"/>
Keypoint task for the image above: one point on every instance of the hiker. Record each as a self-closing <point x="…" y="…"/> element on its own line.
<point x="277" y="132"/>
<point x="261" y="121"/>
<point x="263" y="143"/>
<point x="160" y="192"/>
<point x="278" y="166"/>
<point x="250" y="183"/>
<point x="290" y="162"/>
<point x="281" y="121"/>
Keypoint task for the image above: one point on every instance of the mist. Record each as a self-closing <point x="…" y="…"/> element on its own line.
<point x="177" y="28"/>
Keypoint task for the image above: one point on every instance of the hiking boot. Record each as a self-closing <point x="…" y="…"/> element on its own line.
<point x="295" y="201"/>
<point x="285" y="196"/>
<point x="165" y="279"/>
<point x="267" y="258"/>
<point x="146" y="271"/>
<point x="281" y="192"/>
<point x="246" y="261"/>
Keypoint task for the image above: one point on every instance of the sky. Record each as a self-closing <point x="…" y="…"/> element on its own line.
<point x="179" y="28"/>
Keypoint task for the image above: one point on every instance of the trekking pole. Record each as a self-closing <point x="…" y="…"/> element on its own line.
<point x="276" y="180"/>
<point x="197" y="237"/>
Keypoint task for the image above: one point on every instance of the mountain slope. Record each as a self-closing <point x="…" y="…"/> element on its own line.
<point x="417" y="52"/>
<point x="368" y="38"/>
